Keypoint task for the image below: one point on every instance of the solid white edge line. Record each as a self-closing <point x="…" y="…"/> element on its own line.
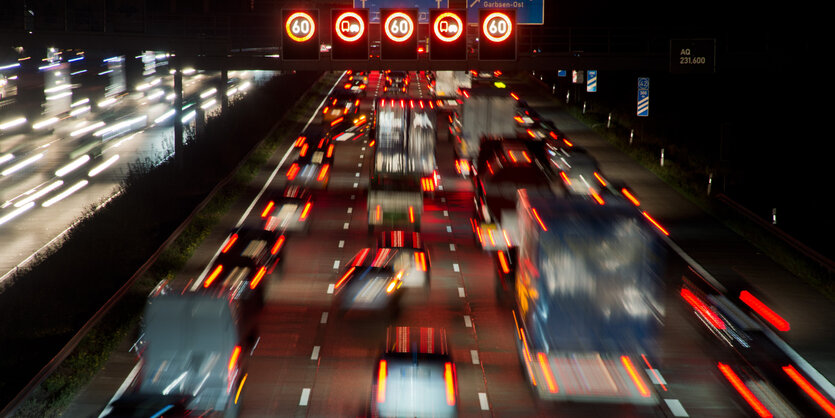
<point x="121" y="389"/>
<point x="202" y="275"/>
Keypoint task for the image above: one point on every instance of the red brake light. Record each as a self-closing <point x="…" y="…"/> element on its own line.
<point x="703" y="309"/>
<point x="330" y="151"/>
<point x="642" y="388"/>
<point x="267" y="209"/>
<point x="347" y="86"/>
<point x="567" y="142"/>
<point x="565" y="178"/>
<point x="344" y="277"/>
<point x="514" y="96"/>
<point x="764" y="311"/>
<point x="538" y="219"/>
<point x="304" y="212"/>
<point x="420" y="260"/>
<point x="546" y="370"/>
<point x="449" y="378"/>
<point x="503" y="262"/>
<point x="381" y="382"/>
<point x="303" y="151"/>
<point x="277" y="246"/>
<point x="596" y="197"/>
<point x="291" y="173"/>
<point x="300" y="140"/>
<point x="258" y="276"/>
<point x="337" y="120"/>
<point x="810" y="390"/>
<point x="229" y="243"/>
<point x="322" y="173"/>
<point x="213" y="276"/>
<point x="233" y="359"/>
<point x="411" y="214"/>
<point x="630" y="197"/>
<point x="654" y="222"/>
<point x="743" y="390"/>
<point x="600" y="179"/>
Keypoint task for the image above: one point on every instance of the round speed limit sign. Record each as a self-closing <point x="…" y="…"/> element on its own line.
<point x="399" y="27"/>
<point x="497" y="27"/>
<point x="300" y="26"/>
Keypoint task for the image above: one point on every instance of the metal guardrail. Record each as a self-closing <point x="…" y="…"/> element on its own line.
<point x="813" y="255"/>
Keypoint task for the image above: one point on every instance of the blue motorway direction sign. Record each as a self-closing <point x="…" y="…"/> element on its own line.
<point x="423" y="7"/>
<point x="528" y="12"/>
<point x="643" y="96"/>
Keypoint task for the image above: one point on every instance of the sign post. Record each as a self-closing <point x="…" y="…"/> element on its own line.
<point x="591" y="85"/>
<point x="643" y="96"/>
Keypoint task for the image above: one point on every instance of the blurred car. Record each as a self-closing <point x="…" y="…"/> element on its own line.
<point x="313" y="133"/>
<point x="350" y="129"/>
<point x="247" y="258"/>
<point x="416" y="375"/>
<point x="340" y="103"/>
<point x="355" y="84"/>
<point x="578" y="170"/>
<point x="311" y="169"/>
<point x="290" y="212"/>
<point x="370" y="283"/>
<point x="397" y="81"/>
<point x="408" y="254"/>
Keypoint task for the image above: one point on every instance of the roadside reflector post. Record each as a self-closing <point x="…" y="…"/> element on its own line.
<point x="567" y="96"/>
<point x="774" y="216"/>
<point x="631" y="135"/>
<point x="609" y="121"/>
<point x="662" y="157"/>
<point x="553" y="88"/>
<point x="709" y="183"/>
<point x="584" y="107"/>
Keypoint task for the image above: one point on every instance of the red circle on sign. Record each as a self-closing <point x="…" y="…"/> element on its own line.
<point x="402" y="17"/>
<point x="345" y="18"/>
<point x="436" y="27"/>
<point x="502" y="19"/>
<point x="288" y="26"/>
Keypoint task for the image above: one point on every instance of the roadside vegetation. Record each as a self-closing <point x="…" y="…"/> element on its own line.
<point x="689" y="173"/>
<point x="54" y="297"/>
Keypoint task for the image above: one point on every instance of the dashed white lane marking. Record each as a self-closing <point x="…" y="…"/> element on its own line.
<point x="440" y="187"/>
<point x="330" y="289"/>
<point x="362" y="156"/>
<point x="353" y="196"/>
<point x="305" y="397"/>
<point x="315" y="354"/>
<point x="460" y="292"/>
<point x="345" y="225"/>
<point x="335" y="264"/>
<point x="467" y="321"/>
<point x="452" y="247"/>
<point x="446" y="213"/>
<point x="482" y="401"/>
<point x="474" y="355"/>
<point x="363" y="149"/>
<point x="448" y="228"/>
<point x="341" y="243"/>
<point x="455" y="267"/>
<point x="350" y="210"/>
<point x="655" y="376"/>
<point x="443" y="199"/>
<point x="324" y="319"/>
<point x="356" y="184"/>
<point x="676" y="408"/>
<point x="359" y="165"/>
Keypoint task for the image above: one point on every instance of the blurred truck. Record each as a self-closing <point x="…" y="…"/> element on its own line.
<point x="404" y="154"/>
<point x="448" y="83"/>
<point x="588" y="295"/>
<point x="195" y="350"/>
<point x="485" y="112"/>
